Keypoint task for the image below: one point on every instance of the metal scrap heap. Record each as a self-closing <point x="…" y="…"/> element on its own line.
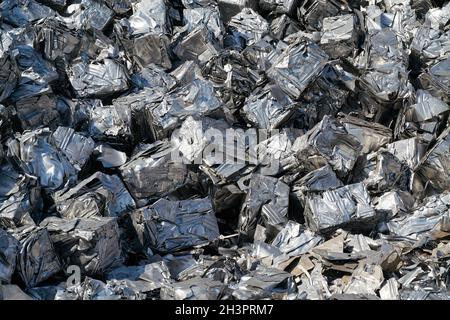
<point x="224" y="149"/>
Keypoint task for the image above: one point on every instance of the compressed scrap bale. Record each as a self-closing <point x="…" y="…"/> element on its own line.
<point x="143" y="34"/>
<point x="372" y="136"/>
<point x="339" y="35"/>
<point x="348" y="207"/>
<point x="34" y="100"/>
<point x="409" y="151"/>
<point x="229" y="8"/>
<point x="175" y="225"/>
<point x="149" y="277"/>
<point x="267" y="200"/>
<point x="296" y="67"/>
<point x="234" y="77"/>
<point x="330" y="140"/>
<point x="91" y="244"/>
<point x="38" y="157"/>
<point x="149" y="49"/>
<point x="279" y="6"/>
<point x="322" y="179"/>
<point x="283" y="26"/>
<point x="20" y="198"/>
<point x="153" y="77"/>
<point x="195" y="99"/>
<point x="89" y="14"/>
<point x="434" y="167"/>
<point x="59" y="41"/>
<point x="294" y="240"/>
<point x="76" y="147"/>
<point x="97" y="79"/>
<point x="153" y="173"/>
<point x="9" y="249"/>
<point x="249" y="26"/>
<point x="109" y="123"/>
<point x="423" y="119"/>
<point x="99" y="195"/>
<point x="22" y="13"/>
<point x="8" y="72"/>
<point x="268" y="108"/>
<point x="132" y="131"/>
<point x="274" y="155"/>
<point x="312" y="12"/>
<point x="207" y="16"/>
<point x="381" y="171"/>
<point x="326" y="95"/>
<point x="198" y="45"/>
<point x="37" y="260"/>
<point x="194" y="136"/>
<point x="430" y="214"/>
<point x="148" y="17"/>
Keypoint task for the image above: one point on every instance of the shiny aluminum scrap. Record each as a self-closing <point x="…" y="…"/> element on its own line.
<point x="224" y="149"/>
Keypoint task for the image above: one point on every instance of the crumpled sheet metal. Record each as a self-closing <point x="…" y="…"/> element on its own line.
<point x="21" y="13"/>
<point x="175" y="225"/>
<point x="423" y="118"/>
<point x="148" y="17"/>
<point x="434" y="167"/>
<point x="382" y="171"/>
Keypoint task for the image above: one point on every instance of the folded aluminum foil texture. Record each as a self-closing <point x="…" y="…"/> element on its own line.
<point x="224" y="149"/>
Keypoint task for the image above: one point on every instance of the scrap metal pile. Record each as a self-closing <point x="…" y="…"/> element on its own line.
<point x="117" y="182"/>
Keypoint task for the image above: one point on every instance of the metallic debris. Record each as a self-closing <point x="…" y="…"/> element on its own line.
<point x="224" y="149"/>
